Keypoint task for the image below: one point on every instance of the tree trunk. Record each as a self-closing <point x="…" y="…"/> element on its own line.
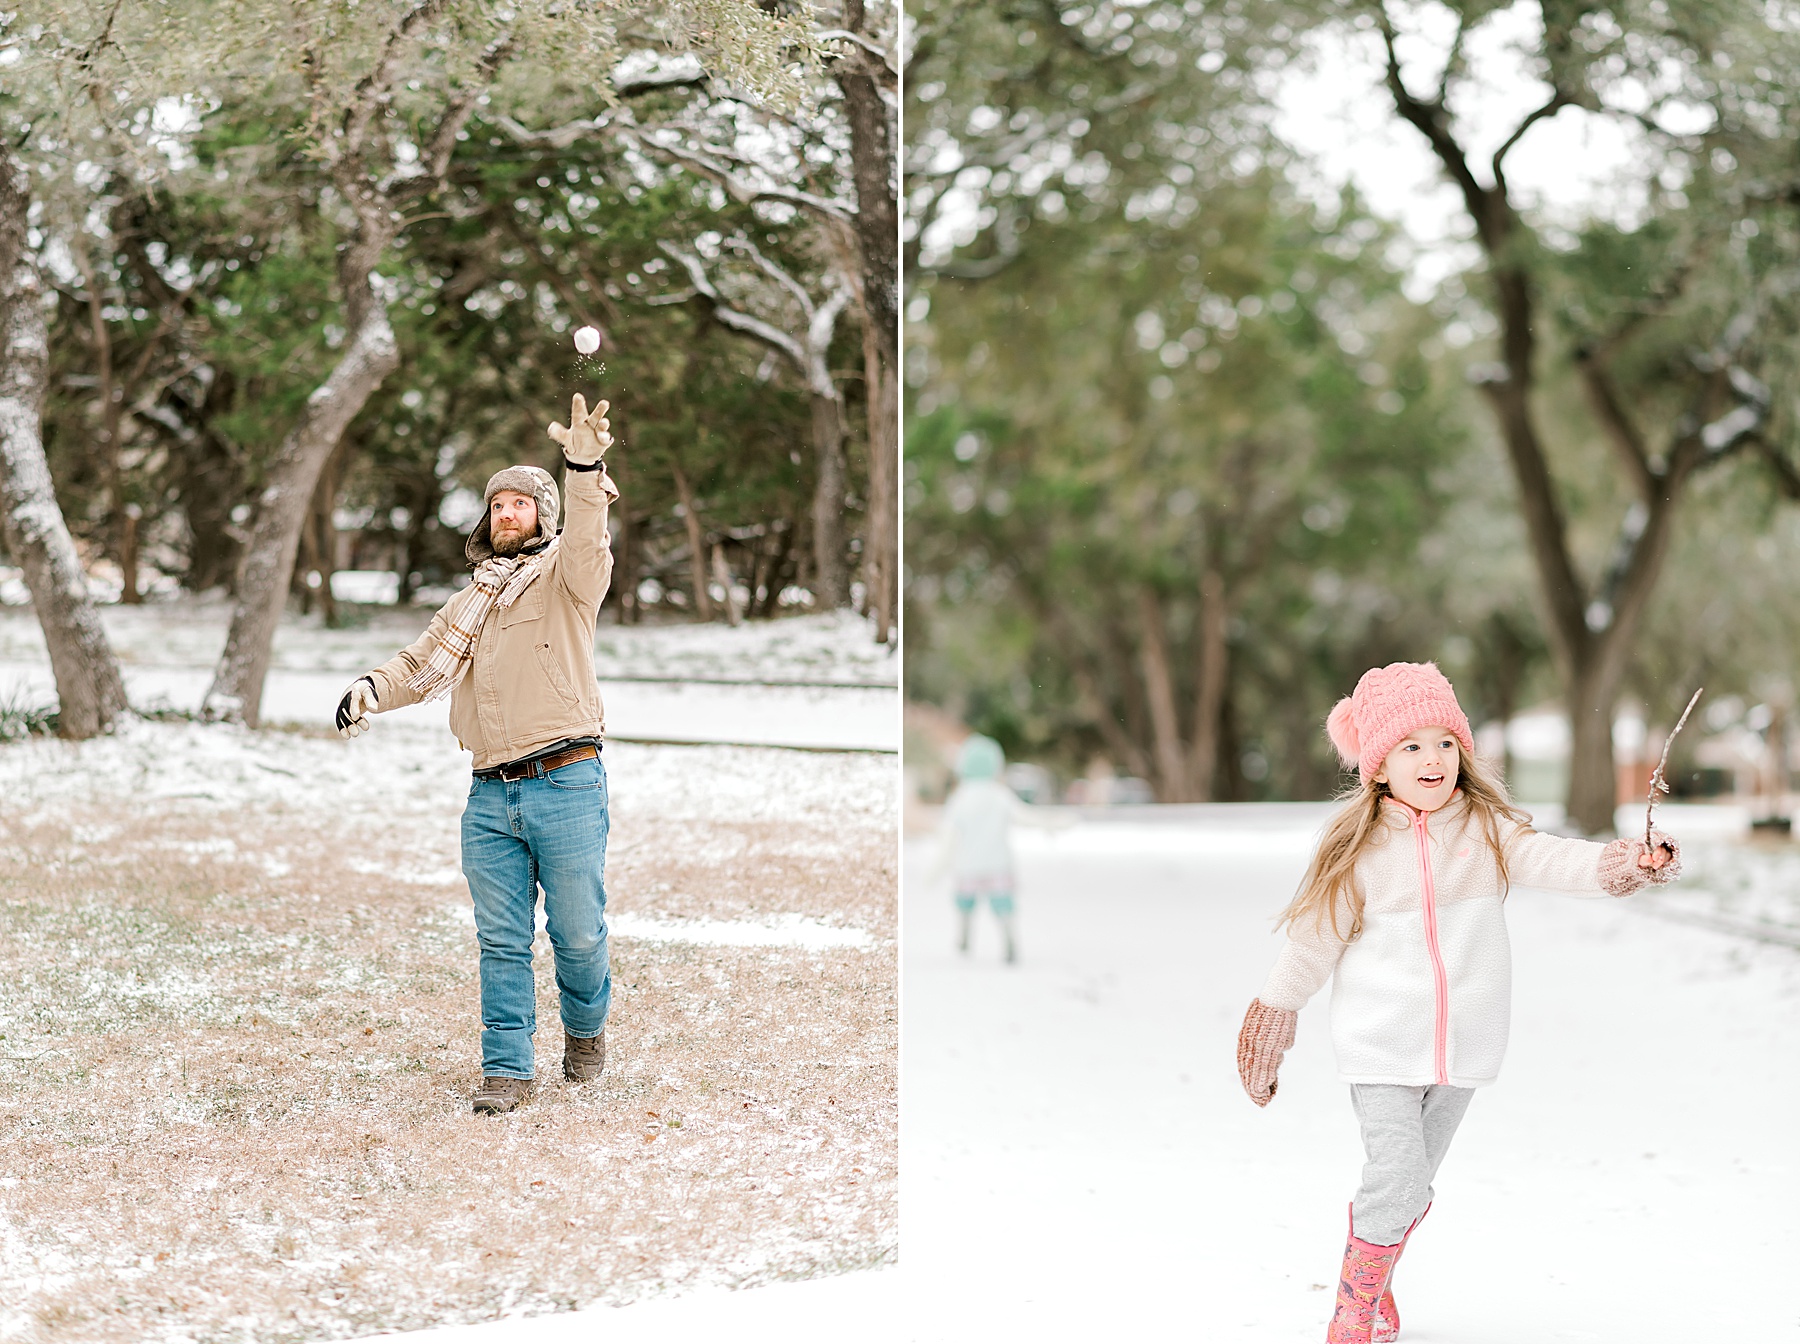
<point x="120" y="520"/>
<point x="1209" y="694"/>
<point x="831" y="587"/>
<point x="722" y="576"/>
<point x="1159" y="687"/>
<point x="368" y="358"/>
<point x="696" y="547"/>
<point x="774" y="573"/>
<point x="306" y="564"/>
<point x="88" y="685"/>
<point x="130" y="594"/>
<point x="873" y="165"/>
<point x="881" y="550"/>
<point x="325" y="542"/>
<point x="625" y="579"/>
<point x="877" y="228"/>
<point x="212" y="485"/>
<point x="426" y="497"/>
<point x="322" y="507"/>
<point x="1593" y="782"/>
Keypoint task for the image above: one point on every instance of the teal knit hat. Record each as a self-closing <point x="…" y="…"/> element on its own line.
<point x="980" y="758"/>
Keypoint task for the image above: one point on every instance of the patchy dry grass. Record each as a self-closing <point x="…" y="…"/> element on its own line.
<point x="238" y="1043"/>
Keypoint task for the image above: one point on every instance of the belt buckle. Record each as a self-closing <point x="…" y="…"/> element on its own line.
<point x="512" y="774"/>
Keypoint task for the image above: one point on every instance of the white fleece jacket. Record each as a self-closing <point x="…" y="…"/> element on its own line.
<point x="1424" y="995"/>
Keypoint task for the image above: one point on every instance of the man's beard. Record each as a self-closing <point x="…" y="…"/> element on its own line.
<point x="509" y="543"/>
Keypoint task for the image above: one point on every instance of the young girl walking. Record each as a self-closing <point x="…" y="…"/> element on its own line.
<point x="1402" y="908"/>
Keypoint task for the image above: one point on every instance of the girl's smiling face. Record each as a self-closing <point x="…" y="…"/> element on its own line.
<point x="1421" y="771"/>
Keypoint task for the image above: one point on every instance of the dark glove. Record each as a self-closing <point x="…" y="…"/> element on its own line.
<point x="354" y="709"/>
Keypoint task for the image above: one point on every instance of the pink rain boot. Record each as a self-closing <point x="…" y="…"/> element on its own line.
<point x="1387" y="1314"/>
<point x="1361" y="1283"/>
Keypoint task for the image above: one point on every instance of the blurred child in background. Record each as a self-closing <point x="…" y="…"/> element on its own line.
<point x="977" y="840"/>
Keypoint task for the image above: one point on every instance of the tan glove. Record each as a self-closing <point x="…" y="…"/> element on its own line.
<point x="1267" y="1035"/>
<point x="586" y="439"/>
<point x="1627" y="867"/>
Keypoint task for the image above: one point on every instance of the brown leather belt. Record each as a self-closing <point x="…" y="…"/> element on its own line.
<point x="539" y="766"/>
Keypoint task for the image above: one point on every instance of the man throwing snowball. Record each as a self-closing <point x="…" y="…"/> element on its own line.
<point x="514" y="651"/>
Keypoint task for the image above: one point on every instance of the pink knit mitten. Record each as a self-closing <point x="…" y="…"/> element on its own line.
<point x="1620" y="874"/>
<point x="1267" y="1035"/>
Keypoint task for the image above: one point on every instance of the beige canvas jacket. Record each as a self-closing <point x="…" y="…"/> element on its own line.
<point x="531" y="681"/>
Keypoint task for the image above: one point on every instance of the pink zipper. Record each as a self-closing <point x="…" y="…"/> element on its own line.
<point x="1440" y="979"/>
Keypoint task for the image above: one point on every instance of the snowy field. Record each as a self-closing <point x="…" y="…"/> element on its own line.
<point x="804" y="681"/>
<point x="238" y="1027"/>
<point x="1080" y="1162"/>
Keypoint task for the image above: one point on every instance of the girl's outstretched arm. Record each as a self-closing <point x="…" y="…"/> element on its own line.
<point x="1588" y="868"/>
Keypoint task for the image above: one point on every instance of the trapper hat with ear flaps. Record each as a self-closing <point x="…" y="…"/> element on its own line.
<point x="533" y="481"/>
<point x="1391" y="703"/>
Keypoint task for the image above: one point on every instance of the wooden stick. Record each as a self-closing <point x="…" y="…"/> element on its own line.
<point x="1657" y="783"/>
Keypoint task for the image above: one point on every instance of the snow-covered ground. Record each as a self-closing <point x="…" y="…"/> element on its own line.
<point x="834" y="687"/>
<point x="194" y="913"/>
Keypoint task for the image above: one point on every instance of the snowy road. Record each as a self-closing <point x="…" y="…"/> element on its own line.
<point x="1078" y="1159"/>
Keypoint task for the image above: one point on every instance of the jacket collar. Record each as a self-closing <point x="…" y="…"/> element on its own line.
<point x="1401" y="815"/>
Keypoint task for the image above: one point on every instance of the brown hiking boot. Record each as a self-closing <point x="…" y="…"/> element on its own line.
<point x="583" y="1058"/>
<point x="498" y="1095"/>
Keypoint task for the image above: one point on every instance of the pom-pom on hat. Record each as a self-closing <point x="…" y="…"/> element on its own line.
<point x="1391" y="703"/>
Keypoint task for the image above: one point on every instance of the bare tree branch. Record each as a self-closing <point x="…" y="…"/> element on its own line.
<point x="1558" y="101"/>
<point x="1002" y="154"/>
<point x="1431" y="120"/>
<point x="774" y="272"/>
<point x="874" y="49"/>
<point x="1787" y="475"/>
<point x="435" y="156"/>
<point x="1453" y="60"/>
<point x="1621" y="433"/>
<point x="772" y="336"/>
<point x="573" y="133"/>
<point x="737" y="187"/>
<point x="372" y="88"/>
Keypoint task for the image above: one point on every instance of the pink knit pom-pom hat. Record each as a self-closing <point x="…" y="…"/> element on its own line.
<point x="1391" y="703"/>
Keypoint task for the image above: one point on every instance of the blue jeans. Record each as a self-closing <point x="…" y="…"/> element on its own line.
<point x="516" y="836"/>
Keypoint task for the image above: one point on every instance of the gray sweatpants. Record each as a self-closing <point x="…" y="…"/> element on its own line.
<point x="1405" y="1133"/>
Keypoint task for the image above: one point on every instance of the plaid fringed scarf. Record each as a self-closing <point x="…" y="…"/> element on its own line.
<point x="498" y="583"/>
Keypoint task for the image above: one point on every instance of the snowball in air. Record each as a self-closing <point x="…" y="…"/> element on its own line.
<point x="587" y="340"/>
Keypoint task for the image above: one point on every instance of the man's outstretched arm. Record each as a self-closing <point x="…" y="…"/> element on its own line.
<point x="584" y="559"/>
<point x="388" y="682"/>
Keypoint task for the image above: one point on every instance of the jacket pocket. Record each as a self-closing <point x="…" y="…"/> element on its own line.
<point x="555" y="675"/>
<point x="529" y="607"/>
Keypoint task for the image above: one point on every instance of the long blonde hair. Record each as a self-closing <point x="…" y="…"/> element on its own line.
<point x="1330" y="877"/>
